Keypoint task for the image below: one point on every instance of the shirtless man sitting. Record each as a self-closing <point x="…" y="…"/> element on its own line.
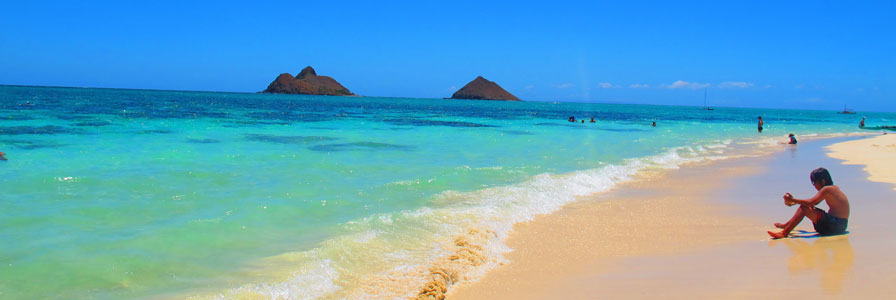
<point x="831" y="222"/>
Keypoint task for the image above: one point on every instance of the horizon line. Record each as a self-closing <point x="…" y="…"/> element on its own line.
<point x="398" y="97"/>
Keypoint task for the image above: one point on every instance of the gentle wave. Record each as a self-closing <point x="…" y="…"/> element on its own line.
<point x="457" y="239"/>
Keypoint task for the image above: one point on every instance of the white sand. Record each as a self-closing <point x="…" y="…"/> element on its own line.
<point x="699" y="232"/>
<point x="877" y="155"/>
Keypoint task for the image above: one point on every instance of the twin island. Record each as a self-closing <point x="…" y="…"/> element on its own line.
<point x="309" y="83"/>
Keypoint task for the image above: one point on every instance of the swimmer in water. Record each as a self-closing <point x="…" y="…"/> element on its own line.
<point x="760" y="124"/>
<point x="2" y="157"/>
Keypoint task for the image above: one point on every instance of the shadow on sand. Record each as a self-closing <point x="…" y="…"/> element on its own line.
<point x="805" y="234"/>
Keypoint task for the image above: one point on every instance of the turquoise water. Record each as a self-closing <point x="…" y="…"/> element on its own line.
<point x="113" y="194"/>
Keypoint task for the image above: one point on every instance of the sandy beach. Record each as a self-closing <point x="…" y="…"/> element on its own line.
<point x="700" y="231"/>
<point x="874" y="154"/>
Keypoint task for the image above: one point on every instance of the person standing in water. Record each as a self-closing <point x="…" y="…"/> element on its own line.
<point x="760" y="124"/>
<point x="2" y="157"/>
<point x="862" y="123"/>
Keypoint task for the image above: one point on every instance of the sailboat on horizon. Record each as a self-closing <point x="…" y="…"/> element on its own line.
<point x="704" y="101"/>
<point x="846" y="111"/>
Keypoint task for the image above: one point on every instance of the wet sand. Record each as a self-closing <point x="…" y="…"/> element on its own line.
<point x="700" y="231"/>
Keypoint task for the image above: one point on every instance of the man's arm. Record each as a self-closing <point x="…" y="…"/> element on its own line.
<point x="789" y="200"/>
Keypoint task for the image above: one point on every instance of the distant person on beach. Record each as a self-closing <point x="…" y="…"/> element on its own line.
<point x="572" y="119"/>
<point x="760" y="124"/>
<point x="831" y="222"/>
<point x="583" y="120"/>
<point x="2" y="157"/>
<point x="592" y="119"/>
<point x="653" y="124"/>
<point x="862" y="123"/>
<point x="792" y="139"/>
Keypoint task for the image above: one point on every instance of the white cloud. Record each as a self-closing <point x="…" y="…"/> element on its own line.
<point x="735" y="84"/>
<point x="684" y="84"/>
<point x="564" y="85"/>
<point x="606" y="85"/>
<point x="529" y="87"/>
<point x="639" y="86"/>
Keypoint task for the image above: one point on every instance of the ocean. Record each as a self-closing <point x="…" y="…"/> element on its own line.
<point x="114" y="193"/>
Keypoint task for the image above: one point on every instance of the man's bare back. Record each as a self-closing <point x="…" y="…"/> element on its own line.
<point x="836" y="200"/>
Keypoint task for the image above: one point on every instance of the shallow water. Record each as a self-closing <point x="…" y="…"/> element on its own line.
<point x="133" y="193"/>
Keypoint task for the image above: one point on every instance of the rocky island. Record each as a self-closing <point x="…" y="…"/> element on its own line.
<point x="482" y="89"/>
<point x="307" y="82"/>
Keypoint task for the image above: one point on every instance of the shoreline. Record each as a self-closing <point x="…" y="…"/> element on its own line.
<point x="475" y="251"/>
<point x="873" y="151"/>
<point x="613" y="244"/>
<point x="334" y="199"/>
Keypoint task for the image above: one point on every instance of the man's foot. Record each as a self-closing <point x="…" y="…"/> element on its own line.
<point x="777" y="235"/>
<point x="780" y="225"/>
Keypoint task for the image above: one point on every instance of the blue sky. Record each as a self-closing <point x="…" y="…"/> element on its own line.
<point x="780" y="54"/>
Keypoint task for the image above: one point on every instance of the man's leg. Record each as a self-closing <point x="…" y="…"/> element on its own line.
<point x="798" y="216"/>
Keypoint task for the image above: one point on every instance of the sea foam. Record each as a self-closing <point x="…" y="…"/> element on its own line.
<point x="421" y="253"/>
